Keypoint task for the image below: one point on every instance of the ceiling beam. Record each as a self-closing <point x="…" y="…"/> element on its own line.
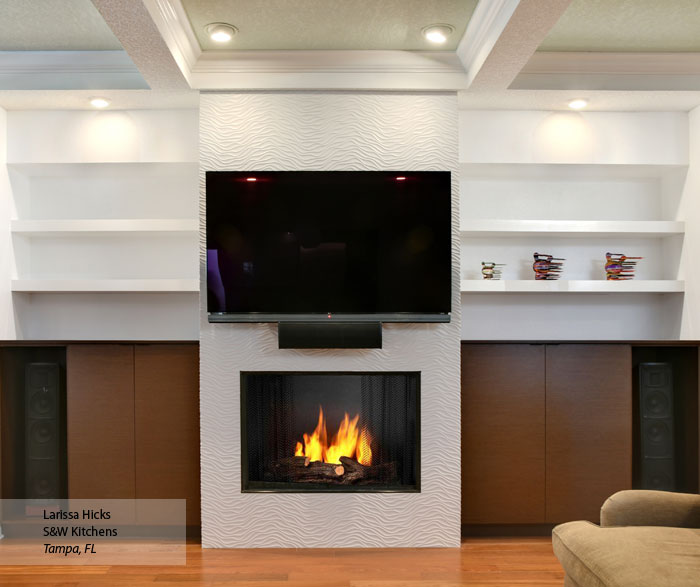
<point x="132" y="24"/>
<point x="501" y="37"/>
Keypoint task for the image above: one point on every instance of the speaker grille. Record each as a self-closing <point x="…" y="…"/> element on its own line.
<point x="656" y="426"/>
<point x="42" y="431"/>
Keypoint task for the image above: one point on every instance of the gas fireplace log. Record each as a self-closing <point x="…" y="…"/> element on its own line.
<point x="299" y="469"/>
<point x="349" y="472"/>
<point x="357" y="473"/>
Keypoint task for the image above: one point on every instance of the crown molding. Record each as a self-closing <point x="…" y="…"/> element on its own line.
<point x="171" y="20"/>
<point x="330" y="70"/>
<point x="56" y="70"/>
<point x="556" y="62"/>
<point x="135" y="28"/>
<point x="610" y="71"/>
<point x="503" y="36"/>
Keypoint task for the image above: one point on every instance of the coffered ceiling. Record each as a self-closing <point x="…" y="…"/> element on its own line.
<point x="503" y="53"/>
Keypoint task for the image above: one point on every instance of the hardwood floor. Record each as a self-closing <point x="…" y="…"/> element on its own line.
<point x="479" y="562"/>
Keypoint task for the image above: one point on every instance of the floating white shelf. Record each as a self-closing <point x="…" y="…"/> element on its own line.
<point x="104" y="285"/>
<point x="98" y="169"/>
<point x="572" y="286"/>
<point x="97" y="226"/>
<point x="568" y="171"/>
<point x="573" y="228"/>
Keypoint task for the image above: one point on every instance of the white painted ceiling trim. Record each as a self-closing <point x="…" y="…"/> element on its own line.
<point x="135" y="29"/>
<point x="610" y="71"/>
<point x="337" y="70"/>
<point x="512" y="37"/>
<point x="172" y="22"/>
<point x="551" y="62"/>
<point x="485" y="27"/>
<point x="42" y="70"/>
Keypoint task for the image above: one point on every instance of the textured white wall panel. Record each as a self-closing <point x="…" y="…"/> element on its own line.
<point x="330" y="131"/>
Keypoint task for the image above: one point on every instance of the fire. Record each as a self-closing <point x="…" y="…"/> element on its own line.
<point x="349" y="442"/>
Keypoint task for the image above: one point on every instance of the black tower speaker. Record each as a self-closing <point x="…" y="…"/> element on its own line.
<point x="42" y="431"/>
<point x="658" y="469"/>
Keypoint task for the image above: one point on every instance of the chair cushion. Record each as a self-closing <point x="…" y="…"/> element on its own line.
<point x="632" y="556"/>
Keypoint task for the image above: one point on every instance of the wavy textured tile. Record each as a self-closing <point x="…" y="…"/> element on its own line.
<point x="330" y="131"/>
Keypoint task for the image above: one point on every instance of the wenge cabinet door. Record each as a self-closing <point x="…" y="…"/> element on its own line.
<point x="589" y="428"/>
<point x="167" y="424"/>
<point x="503" y="434"/>
<point x="100" y="421"/>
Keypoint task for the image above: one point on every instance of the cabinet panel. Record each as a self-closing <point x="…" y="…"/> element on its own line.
<point x="100" y="421"/>
<point x="589" y="428"/>
<point x="167" y="424"/>
<point x="503" y="434"/>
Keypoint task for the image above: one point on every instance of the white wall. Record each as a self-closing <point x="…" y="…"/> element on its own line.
<point x="689" y="210"/>
<point x="81" y="136"/>
<point x="7" y="319"/>
<point x="324" y="131"/>
<point x="610" y="138"/>
<point x="574" y="166"/>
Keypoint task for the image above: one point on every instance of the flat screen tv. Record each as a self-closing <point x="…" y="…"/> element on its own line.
<point x="328" y="245"/>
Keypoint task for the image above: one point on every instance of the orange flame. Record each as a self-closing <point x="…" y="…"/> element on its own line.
<point x="364" y="451"/>
<point x="349" y="442"/>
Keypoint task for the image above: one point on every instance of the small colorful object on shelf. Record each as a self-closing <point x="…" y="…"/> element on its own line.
<point x="490" y="270"/>
<point x="547" y="267"/>
<point x="619" y="267"/>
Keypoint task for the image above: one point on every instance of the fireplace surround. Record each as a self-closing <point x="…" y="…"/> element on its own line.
<point x="330" y="431"/>
<point x="329" y="130"/>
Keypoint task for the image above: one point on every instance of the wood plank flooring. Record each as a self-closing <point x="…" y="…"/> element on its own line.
<point x="486" y="562"/>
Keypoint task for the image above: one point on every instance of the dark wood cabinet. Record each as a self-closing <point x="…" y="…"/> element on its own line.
<point x="100" y="421"/>
<point x="546" y="431"/>
<point x="167" y="424"/>
<point x="503" y="434"/>
<point x="133" y="422"/>
<point x="589" y="428"/>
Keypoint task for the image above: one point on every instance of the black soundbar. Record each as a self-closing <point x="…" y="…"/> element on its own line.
<point x="330" y="335"/>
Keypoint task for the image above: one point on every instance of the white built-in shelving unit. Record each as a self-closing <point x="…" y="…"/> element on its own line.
<point x="105" y="224"/>
<point x="521" y="197"/>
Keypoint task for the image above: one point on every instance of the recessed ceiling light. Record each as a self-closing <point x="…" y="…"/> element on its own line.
<point x="221" y="32"/>
<point x="99" y="102"/>
<point x="438" y="33"/>
<point x="578" y="104"/>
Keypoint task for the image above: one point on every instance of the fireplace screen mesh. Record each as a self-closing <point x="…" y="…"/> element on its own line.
<point x="330" y="431"/>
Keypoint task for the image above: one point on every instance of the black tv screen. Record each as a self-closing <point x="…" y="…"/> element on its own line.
<point x="320" y="245"/>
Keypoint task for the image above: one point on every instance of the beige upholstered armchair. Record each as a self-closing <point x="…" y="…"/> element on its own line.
<point x="645" y="539"/>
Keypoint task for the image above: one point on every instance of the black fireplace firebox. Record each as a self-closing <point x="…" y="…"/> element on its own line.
<point x="323" y="431"/>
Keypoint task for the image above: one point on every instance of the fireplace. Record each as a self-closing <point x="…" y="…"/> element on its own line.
<point x="322" y="431"/>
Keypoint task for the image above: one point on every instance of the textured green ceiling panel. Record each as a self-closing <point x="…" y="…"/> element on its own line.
<point x="627" y="25"/>
<point x="54" y="25"/>
<point x="329" y="24"/>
